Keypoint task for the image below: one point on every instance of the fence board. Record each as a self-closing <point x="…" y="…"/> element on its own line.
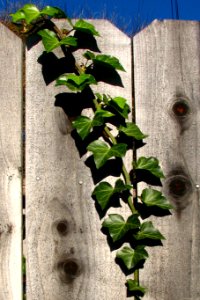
<point x="10" y="165"/>
<point x="67" y="255"/>
<point x="167" y="93"/>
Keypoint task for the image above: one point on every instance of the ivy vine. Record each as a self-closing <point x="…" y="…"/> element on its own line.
<point x="107" y="110"/>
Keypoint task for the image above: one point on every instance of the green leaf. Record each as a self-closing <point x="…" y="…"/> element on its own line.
<point x="89" y="55"/>
<point x="150" y="164"/>
<point x="102" y="113"/>
<point x="104" y="191"/>
<point x="53" y="12"/>
<point x="151" y="197"/>
<point x="83" y="126"/>
<point x="109" y="61"/>
<point x="102" y="152"/>
<point x="31" y="12"/>
<point x="132" y="257"/>
<point x="49" y="39"/>
<point x="148" y="231"/>
<point x="69" y="40"/>
<point x="86" y="27"/>
<point x="18" y="16"/>
<point x="134" y="287"/>
<point x="120" y="105"/>
<point x="132" y="130"/>
<point x="76" y="83"/>
<point x="118" y="227"/>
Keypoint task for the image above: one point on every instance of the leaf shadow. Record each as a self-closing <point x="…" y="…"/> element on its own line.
<point x="106" y="74"/>
<point x="86" y="41"/>
<point x="146" y="212"/>
<point x="148" y="177"/>
<point x="113" y="202"/>
<point x="53" y="67"/>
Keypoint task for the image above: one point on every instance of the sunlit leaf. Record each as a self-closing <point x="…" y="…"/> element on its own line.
<point x="134" y="287"/>
<point x="102" y="152"/>
<point x="151" y="197"/>
<point x="18" y="16"/>
<point x="69" y="40"/>
<point x="148" y="231"/>
<point x="53" y="11"/>
<point x="109" y="61"/>
<point x="86" y="27"/>
<point x="120" y="105"/>
<point x="132" y="130"/>
<point x="118" y="227"/>
<point x="89" y="55"/>
<point x="104" y="191"/>
<point x="75" y="82"/>
<point x="31" y="12"/>
<point x="131" y="257"/>
<point x="83" y="126"/>
<point x="49" y="39"/>
<point x="150" y="164"/>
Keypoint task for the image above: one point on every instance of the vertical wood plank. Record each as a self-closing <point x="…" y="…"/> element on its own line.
<point x="10" y="165"/>
<point x="167" y="95"/>
<point x="67" y="255"/>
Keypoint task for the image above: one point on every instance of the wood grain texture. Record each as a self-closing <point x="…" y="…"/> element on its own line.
<point x="10" y="165"/>
<point x="167" y="74"/>
<point x="67" y="255"/>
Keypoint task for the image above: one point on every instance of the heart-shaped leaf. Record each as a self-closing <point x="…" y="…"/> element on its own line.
<point x="109" y="61"/>
<point x="133" y="286"/>
<point x="104" y="191"/>
<point x="151" y="197"/>
<point x="49" y="39"/>
<point x="76" y="83"/>
<point x="53" y="12"/>
<point x="31" y="12"/>
<point x="119" y="104"/>
<point x="150" y="164"/>
<point x="132" y="257"/>
<point x="86" y="27"/>
<point x="102" y="152"/>
<point x="118" y="227"/>
<point x="69" y="41"/>
<point x="132" y="130"/>
<point x="148" y="231"/>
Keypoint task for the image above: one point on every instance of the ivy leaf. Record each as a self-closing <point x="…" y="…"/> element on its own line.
<point x="132" y="257"/>
<point x="86" y="27"/>
<point x="53" y="12"/>
<point x="148" y="231"/>
<point x="83" y="126"/>
<point x="118" y="227"/>
<point x="49" y="39"/>
<point x="151" y="197"/>
<point x="104" y="191"/>
<point x="109" y="61"/>
<point x="132" y="130"/>
<point x="134" y="287"/>
<point x="102" y="113"/>
<point x="120" y="106"/>
<point x="102" y="152"/>
<point x="150" y="164"/>
<point x="76" y="83"/>
<point x="31" y="12"/>
<point x="18" y="16"/>
<point x="89" y="55"/>
<point x="69" y="40"/>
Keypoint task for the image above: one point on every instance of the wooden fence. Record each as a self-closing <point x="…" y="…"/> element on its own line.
<point x="63" y="237"/>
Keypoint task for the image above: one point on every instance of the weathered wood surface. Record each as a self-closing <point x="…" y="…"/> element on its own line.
<point x="10" y="165"/>
<point x="67" y="255"/>
<point x="167" y="77"/>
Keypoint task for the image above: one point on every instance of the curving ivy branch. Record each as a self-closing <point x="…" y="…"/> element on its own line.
<point x="106" y="110"/>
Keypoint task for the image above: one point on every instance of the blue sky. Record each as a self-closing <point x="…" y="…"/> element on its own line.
<point x="129" y="15"/>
